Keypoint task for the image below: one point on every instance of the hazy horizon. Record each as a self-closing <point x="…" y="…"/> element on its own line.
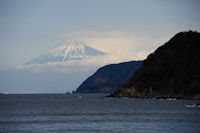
<point x="125" y="30"/>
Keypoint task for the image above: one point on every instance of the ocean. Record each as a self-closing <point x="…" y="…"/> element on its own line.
<point x="92" y="113"/>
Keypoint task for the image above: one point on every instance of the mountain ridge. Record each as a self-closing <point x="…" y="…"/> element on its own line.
<point x="109" y="78"/>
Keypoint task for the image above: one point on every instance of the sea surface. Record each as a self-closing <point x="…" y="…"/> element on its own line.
<point x="92" y="113"/>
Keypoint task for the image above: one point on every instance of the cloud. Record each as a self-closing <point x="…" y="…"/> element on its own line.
<point x="120" y="46"/>
<point x="87" y="64"/>
<point x="123" y="45"/>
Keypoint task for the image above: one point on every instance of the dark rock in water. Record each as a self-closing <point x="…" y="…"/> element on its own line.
<point x="198" y="105"/>
<point x="173" y="70"/>
<point x="109" y="78"/>
<point x="68" y="93"/>
<point x="194" y="105"/>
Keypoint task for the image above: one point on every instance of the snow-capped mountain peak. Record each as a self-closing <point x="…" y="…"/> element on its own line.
<point x="70" y="50"/>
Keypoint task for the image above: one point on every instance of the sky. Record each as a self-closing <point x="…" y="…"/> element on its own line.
<point x="29" y="28"/>
<point x="123" y="29"/>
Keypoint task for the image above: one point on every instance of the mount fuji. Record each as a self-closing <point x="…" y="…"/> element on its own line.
<point x="70" y="50"/>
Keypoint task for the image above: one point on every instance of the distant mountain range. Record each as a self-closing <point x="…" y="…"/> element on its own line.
<point x="109" y="78"/>
<point x="70" y="50"/>
<point x="173" y="70"/>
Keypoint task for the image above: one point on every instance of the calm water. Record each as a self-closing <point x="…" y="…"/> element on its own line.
<point x="90" y="113"/>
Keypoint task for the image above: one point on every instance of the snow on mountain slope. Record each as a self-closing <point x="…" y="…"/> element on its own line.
<point x="70" y="50"/>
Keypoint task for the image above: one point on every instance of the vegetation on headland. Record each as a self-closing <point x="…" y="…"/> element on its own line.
<point x="173" y="70"/>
